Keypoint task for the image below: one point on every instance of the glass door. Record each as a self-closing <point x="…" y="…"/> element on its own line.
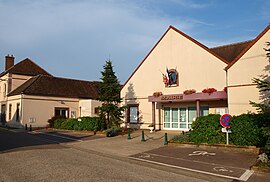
<point x="167" y="117"/>
<point x="175" y="118"/>
<point x="183" y="118"/>
<point x="192" y="114"/>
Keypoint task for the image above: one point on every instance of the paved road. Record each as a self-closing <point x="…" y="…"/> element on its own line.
<point x="30" y="157"/>
<point x="69" y="156"/>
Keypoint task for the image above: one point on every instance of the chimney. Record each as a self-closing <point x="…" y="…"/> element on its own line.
<point x="9" y="61"/>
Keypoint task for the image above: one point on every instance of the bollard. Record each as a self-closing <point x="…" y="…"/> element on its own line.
<point x="30" y="128"/>
<point x="143" y="140"/>
<point x="166" y="139"/>
<point x="25" y="127"/>
<point x="128" y="134"/>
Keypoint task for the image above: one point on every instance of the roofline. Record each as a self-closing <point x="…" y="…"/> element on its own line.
<point x="6" y="71"/>
<point x="186" y="36"/>
<point x="248" y="47"/>
<point x="37" y="65"/>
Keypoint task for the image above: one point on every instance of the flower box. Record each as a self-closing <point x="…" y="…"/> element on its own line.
<point x="209" y="90"/>
<point x="190" y="91"/>
<point x="157" y="94"/>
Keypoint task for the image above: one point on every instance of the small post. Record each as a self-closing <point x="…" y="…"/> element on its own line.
<point x="128" y="134"/>
<point x="25" y="126"/>
<point x="143" y="140"/>
<point x="227" y="136"/>
<point x="166" y="139"/>
<point x="30" y="128"/>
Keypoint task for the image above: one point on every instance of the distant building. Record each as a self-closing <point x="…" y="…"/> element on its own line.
<point x="31" y="95"/>
<point x="181" y="79"/>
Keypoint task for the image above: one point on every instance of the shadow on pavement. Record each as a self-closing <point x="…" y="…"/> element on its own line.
<point x="14" y="140"/>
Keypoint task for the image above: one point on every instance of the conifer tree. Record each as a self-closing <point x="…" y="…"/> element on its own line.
<point x="109" y="95"/>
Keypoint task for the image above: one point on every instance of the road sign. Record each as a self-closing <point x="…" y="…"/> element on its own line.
<point x="225" y="119"/>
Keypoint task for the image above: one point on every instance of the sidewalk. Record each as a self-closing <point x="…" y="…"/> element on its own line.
<point x="121" y="146"/>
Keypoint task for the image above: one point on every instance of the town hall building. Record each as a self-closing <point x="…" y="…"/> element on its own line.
<point x="181" y="79"/>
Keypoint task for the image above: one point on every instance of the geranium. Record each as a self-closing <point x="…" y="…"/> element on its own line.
<point x="209" y="90"/>
<point x="189" y="91"/>
<point x="225" y="89"/>
<point x="157" y="94"/>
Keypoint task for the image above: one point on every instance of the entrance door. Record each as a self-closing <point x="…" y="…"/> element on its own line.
<point x="167" y="118"/>
<point x="175" y="118"/>
<point x="183" y="118"/>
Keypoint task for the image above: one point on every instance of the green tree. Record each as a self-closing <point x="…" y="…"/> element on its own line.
<point x="264" y="88"/>
<point x="109" y="95"/>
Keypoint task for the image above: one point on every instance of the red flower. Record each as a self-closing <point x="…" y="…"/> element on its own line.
<point x="190" y="91"/>
<point x="225" y="89"/>
<point x="209" y="90"/>
<point x="157" y="94"/>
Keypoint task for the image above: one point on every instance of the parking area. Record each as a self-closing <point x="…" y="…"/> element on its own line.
<point x="217" y="162"/>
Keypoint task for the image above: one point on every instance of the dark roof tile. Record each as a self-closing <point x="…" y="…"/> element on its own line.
<point x="26" y="67"/>
<point x="43" y="85"/>
<point x="231" y="51"/>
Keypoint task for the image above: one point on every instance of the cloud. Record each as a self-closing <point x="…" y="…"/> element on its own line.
<point x="73" y="38"/>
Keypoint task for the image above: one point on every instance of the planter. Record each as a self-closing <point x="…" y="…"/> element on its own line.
<point x="151" y="129"/>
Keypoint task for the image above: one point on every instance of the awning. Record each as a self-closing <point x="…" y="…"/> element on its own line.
<point x="219" y="95"/>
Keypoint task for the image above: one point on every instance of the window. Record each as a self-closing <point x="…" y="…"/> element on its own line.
<point x="133" y="114"/>
<point x="18" y="112"/>
<point x="9" y="111"/>
<point x="5" y="90"/>
<point x="61" y="112"/>
<point x="221" y="110"/>
<point x="96" y="110"/>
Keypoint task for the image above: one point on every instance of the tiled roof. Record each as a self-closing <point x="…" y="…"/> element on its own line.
<point x="26" y="67"/>
<point x="44" y="85"/>
<point x="231" y="51"/>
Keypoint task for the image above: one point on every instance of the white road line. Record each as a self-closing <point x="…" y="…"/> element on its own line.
<point x="59" y="136"/>
<point x="193" y="170"/>
<point x="246" y="175"/>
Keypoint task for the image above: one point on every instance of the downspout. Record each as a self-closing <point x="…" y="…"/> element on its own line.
<point x="227" y="83"/>
<point x="21" y="110"/>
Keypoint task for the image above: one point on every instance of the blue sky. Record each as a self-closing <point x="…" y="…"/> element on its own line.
<point x="74" y="38"/>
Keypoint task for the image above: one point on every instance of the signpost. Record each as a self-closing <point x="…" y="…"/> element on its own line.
<point x="225" y="122"/>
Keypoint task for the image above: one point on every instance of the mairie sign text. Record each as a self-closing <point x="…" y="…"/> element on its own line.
<point x="171" y="97"/>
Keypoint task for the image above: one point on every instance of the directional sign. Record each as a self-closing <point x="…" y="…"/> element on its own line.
<point x="225" y="119"/>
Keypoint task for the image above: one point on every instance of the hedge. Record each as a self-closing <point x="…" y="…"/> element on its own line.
<point x="86" y="123"/>
<point x="247" y="130"/>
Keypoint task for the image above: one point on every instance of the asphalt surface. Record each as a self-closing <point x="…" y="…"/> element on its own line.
<point x="51" y="155"/>
<point x="207" y="161"/>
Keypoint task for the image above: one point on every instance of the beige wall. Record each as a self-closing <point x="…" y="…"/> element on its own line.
<point x="88" y="107"/>
<point x="11" y="114"/>
<point x="42" y="108"/>
<point x="197" y="69"/>
<point x="251" y="65"/>
<point x="18" y="80"/>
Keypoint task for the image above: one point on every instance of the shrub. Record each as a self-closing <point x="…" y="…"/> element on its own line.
<point x="58" y="122"/>
<point x="246" y="130"/>
<point x="207" y="129"/>
<point x="52" y="120"/>
<point x="92" y="123"/>
<point x="69" y="124"/>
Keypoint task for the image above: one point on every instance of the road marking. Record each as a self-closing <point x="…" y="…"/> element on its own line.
<point x="145" y="155"/>
<point x="244" y="177"/>
<point x="59" y="136"/>
<point x="222" y="169"/>
<point x="201" y="153"/>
